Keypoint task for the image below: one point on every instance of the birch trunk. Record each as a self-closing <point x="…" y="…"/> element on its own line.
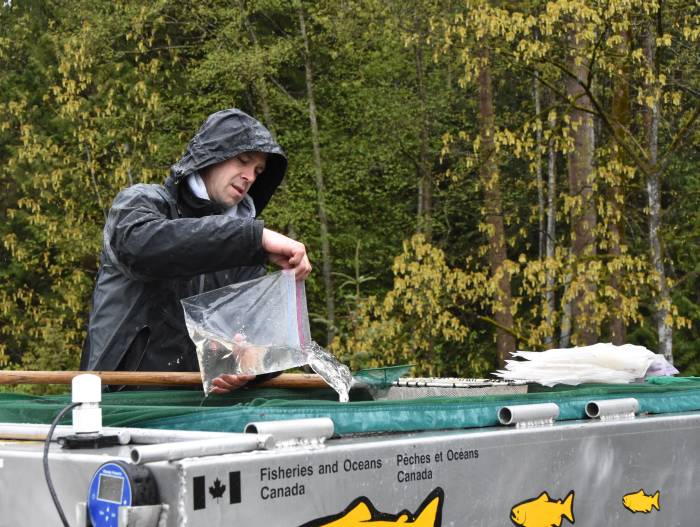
<point x="490" y="180"/>
<point x="581" y="183"/>
<point x="651" y="133"/>
<point x="320" y="188"/>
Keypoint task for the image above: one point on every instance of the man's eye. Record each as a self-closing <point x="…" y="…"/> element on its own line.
<point x="259" y="171"/>
<point x="244" y="158"/>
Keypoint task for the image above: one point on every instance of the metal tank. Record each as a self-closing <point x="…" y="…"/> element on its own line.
<point x="615" y="470"/>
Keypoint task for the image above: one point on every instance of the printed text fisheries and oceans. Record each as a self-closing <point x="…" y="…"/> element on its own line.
<point x="304" y="471"/>
<point x="412" y="467"/>
<point x="301" y="471"/>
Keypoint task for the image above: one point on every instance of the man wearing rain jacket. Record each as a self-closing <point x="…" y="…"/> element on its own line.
<point x="195" y="233"/>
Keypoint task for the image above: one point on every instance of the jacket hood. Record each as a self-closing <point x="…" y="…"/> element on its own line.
<point x="223" y="136"/>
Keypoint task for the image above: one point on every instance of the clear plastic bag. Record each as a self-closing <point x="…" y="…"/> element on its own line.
<point x="254" y="327"/>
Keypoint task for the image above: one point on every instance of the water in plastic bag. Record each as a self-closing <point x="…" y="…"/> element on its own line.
<point x="253" y="327"/>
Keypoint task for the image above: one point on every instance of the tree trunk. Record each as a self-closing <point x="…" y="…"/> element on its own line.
<point x="320" y="189"/>
<point x="490" y="180"/>
<point x="651" y="136"/>
<point x="616" y="196"/>
<point x="550" y="240"/>
<point x="541" y="235"/>
<point x="425" y="178"/>
<point x="566" y="314"/>
<point x="581" y="182"/>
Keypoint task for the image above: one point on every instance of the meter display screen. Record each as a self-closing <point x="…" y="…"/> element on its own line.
<point x="114" y="485"/>
<point x="110" y="488"/>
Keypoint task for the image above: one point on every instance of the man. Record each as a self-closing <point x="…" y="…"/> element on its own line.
<point x="195" y="233"/>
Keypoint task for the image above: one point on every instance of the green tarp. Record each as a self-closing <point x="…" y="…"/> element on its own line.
<point x="189" y="410"/>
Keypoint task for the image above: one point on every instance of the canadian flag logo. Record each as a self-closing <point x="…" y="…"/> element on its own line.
<point x="217" y="490"/>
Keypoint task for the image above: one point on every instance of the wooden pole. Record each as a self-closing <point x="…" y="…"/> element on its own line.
<point x="152" y="378"/>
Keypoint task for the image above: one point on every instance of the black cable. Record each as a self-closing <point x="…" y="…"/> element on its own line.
<point x="47" y="474"/>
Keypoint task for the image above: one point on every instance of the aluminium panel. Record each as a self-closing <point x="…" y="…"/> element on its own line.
<point x="591" y="472"/>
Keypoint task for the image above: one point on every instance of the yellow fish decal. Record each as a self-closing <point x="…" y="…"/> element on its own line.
<point x="362" y="513"/>
<point x="543" y="511"/>
<point x="641" y="502"/>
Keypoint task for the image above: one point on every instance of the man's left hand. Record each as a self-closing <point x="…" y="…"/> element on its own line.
<point x="286" y="253"/>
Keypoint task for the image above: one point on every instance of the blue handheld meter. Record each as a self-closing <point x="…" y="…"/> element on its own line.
<point x="117" y="484"/>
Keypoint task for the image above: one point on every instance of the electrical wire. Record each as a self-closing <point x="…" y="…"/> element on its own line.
<point x="47" y="474"/>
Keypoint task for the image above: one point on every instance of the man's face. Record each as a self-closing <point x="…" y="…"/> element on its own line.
<point x="229" y="181"/>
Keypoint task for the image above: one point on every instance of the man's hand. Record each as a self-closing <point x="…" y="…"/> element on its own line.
<point x="286" y="253"/>
<point x="247" y="357"/>
<point x="226" y="383"/>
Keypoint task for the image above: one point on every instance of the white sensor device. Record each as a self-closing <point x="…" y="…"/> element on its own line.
<point x="87" y="418"/>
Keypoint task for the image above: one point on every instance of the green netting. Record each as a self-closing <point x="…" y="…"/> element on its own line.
<point x="382" y="377"/>
<point x="188" y="410"/>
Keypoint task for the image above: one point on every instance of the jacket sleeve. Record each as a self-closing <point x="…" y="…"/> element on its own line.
<point x="143" y="240"/>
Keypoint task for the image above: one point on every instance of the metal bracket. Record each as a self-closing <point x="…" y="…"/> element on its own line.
<point x="142" y="516"/>
<point x="81" y="514"/>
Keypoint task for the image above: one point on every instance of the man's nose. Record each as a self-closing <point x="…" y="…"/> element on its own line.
<point x="249" y="174"/>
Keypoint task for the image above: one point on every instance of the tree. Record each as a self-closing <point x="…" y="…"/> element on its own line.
<point x="320" y="186"/>
<point x="582" y="183"/>
<point x="493" y="214"/>
<point x="433" y="184"/>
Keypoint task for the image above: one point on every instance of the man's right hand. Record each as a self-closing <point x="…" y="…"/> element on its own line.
<point x="225" y="383"/>
<point x="286" y="253"/>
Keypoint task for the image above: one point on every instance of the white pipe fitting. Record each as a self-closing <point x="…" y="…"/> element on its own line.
<point x="528" y="415"/>
<point x="87" y="418"/>
<point x="294" y="430"/>
<point x="612" y="409"/>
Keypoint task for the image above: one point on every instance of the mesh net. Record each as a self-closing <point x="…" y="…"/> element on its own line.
<point x="188" y="410"/>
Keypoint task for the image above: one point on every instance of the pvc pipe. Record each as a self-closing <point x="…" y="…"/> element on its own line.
<point x="293" y="429"/>
<point x="38" y="432"/>
<point x="528" y="414"/>
<point x="199" y="448"/>
<point x="150" y="436"/>
<point x="612" y="408"/>
<point x="140" y="436"/>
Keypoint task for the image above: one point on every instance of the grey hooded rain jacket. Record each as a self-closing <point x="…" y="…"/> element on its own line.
<point x="161" y="244"/>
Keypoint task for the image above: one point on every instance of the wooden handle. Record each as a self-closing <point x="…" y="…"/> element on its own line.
<point x="152" y="378"/>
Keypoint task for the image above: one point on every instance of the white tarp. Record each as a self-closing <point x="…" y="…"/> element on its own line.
<point x="599" y="363"/>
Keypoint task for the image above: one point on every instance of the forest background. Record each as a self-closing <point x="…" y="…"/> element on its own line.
<point x="469" y="177"/>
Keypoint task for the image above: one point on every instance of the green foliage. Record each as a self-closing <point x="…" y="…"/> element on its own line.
<point x="98" y="95"/>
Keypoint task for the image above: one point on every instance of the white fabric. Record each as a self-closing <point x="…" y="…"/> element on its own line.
<point x="242" y="210"/>
<point x="197" y="186"/>
<point x="599" y="363"/>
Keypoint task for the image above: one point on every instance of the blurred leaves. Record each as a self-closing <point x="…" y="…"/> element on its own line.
<point x="98" y="95"/>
